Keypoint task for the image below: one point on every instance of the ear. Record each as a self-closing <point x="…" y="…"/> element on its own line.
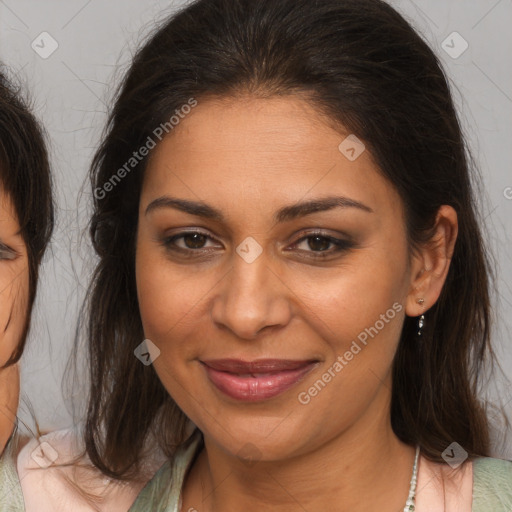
<point x="431" y="263"/>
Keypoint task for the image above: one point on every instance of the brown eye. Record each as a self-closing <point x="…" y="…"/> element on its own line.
<point x="188" y="242"/>
<point x="194" y="240"/>
<point x="319" y="245"/>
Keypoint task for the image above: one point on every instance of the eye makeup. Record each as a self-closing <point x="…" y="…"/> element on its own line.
<point x="6" y="253"/>
<point x="172" y="244"/>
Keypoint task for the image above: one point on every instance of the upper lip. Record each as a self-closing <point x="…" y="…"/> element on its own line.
<point x="257" y="366"/>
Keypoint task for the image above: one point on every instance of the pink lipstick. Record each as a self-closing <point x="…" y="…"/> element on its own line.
<point x="254" y="381"/>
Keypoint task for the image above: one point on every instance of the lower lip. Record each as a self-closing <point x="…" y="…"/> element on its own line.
<point x="256" y="389"/>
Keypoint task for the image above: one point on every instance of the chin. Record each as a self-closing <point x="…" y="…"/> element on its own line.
<point x="265" y="439"/>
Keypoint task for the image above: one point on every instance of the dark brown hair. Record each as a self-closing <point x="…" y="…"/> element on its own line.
<point x="25" y="178"/>
<point x="365" y="68"/>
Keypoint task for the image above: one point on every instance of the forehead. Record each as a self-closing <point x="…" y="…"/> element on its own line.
<point x="9" y="225"/>
<point x="280" y="149"/>
<point x="260" y="126"/>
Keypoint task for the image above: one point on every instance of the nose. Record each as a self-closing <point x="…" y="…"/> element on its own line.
<point x="252" y="297"/>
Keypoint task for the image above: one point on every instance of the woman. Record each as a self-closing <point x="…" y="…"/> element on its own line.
<point x="291" y="299"/>
<point x="26" y="223"/>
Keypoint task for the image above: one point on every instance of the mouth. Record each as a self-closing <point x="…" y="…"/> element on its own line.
<point x="255" y="381"/>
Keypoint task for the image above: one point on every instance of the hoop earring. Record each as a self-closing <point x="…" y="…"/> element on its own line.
<point x="421" y="321"/>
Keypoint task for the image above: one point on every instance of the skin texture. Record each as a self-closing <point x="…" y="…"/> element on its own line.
<point x="248" y="157"/>
<point x="14" y="283"/>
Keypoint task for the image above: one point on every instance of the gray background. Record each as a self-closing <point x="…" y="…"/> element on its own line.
<point x="72" y="88"/>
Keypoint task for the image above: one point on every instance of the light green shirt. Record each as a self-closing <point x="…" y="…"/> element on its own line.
<point x="492" y="485"/>
<point x="11" y="497"/>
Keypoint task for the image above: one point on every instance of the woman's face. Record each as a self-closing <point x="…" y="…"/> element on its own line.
<point x="245" y="270"/>
<point x="14" y="279"/>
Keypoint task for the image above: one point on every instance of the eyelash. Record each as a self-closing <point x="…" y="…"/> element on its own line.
<point x="340" y="245"/>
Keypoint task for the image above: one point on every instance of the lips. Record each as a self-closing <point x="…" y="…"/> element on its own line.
<point x="256" y="380"/>
<point x="259" y="366"/>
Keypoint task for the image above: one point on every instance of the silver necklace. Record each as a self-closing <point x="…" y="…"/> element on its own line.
<point x="410" y="503"/>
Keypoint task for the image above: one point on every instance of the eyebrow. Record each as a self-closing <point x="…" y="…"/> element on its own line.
<point x="287" y="213"/>
<point x="18" y="233"/>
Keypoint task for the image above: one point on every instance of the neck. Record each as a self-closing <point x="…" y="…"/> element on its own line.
<point x="365" y="464"/>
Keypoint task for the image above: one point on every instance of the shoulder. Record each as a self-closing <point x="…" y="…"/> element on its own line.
<point x="55" y="476"/>
<point x="164" y="490"/>
<point x="490" y="465"/>
<point x="11" y="498"/>
<point x="492" y="484"/>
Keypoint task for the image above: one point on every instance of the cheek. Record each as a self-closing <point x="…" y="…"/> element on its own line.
<point x="358" y="311"/>
<point x="170" y="307"/>
<point x="170" y="296"/>
<point x="155" y="292"/>
<point x="353" y="298"/>
<point x="14" y="284"/>
<point x="363" y="306"/>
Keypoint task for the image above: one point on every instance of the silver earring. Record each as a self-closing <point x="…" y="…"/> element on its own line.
<point x="421" y="321"/>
